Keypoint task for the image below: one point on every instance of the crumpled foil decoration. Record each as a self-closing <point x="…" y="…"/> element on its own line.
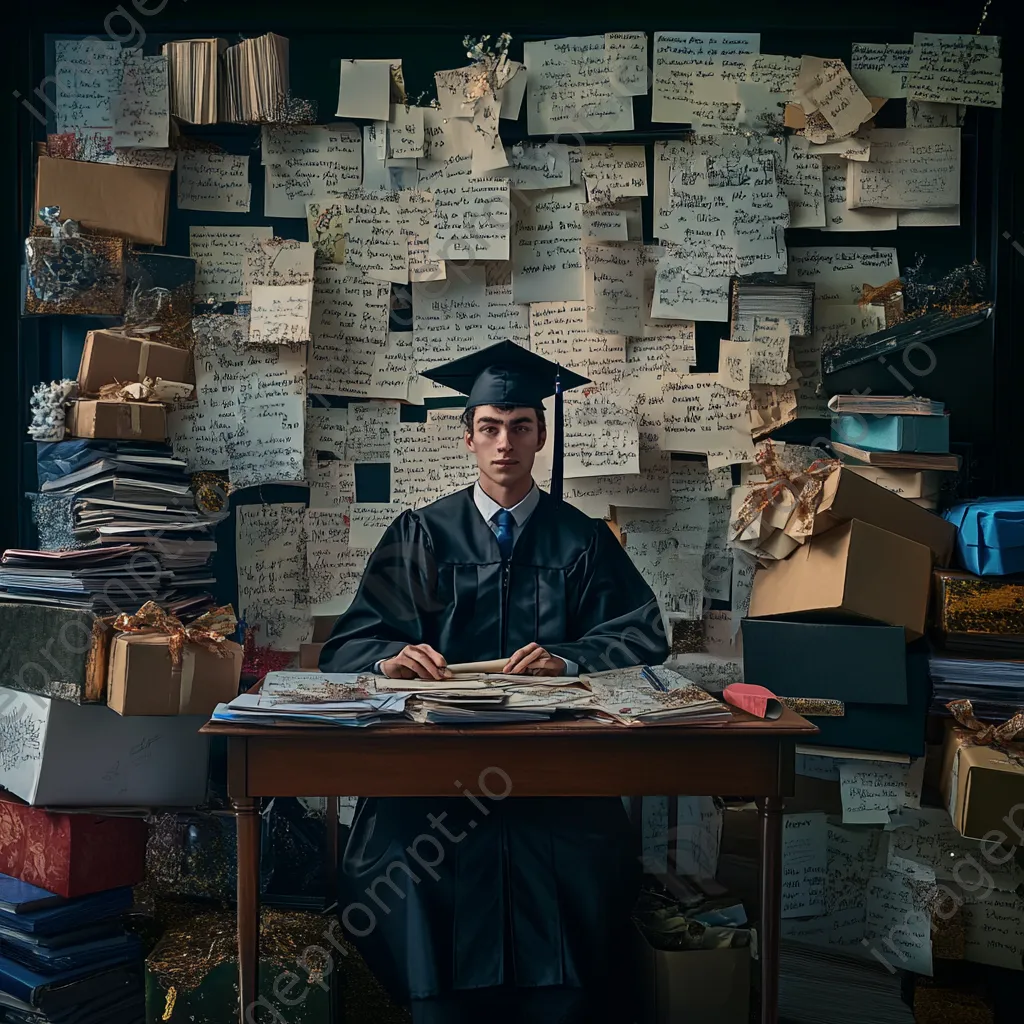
<point x="53" y="516"/>
<point x="778" y="515"/>
<point x="48" y="405"/>
<point x="151" y="389"/>
<point x="959" y="291"/>
<point x="160" y="297"/>
<point x="986" y="735"/>
<point x="72" y="273"/>
<point x="208" y="631"/>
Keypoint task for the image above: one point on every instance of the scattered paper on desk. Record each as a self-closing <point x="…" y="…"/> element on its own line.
<point x="881" y="69"/>
<point x="213" y="181"/>
<point x="570" y="88"/>
<point x="804" y="864"/>
<point x="956" y="69"/>
<point x="141" y="106"/>
<point x="626" y="54"/>
<point x="364" y="90"/>
<point x="219" y="254"/>
<point x="271" y="565"/>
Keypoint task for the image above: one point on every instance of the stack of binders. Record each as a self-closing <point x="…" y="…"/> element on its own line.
<point x="68" y="960"/>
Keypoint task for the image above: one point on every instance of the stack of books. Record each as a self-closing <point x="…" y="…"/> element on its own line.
<point x="68" y="960"/>
<point x="892" y="432"/>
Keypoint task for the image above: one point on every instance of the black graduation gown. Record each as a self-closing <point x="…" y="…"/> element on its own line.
<point x="538" y="890"/>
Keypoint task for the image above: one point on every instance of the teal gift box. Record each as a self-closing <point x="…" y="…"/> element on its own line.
<point x="990" y="535"/>
<point x="892" y="433"/>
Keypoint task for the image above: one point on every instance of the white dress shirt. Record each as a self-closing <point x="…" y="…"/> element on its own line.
<point x="521" y="513"/>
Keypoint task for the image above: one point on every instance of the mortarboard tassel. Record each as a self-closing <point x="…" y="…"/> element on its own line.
<point x="556" y="456"/>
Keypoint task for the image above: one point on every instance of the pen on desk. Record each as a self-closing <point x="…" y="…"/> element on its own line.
<point x="651" y="676"/>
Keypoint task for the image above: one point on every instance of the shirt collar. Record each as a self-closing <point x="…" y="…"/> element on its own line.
<point x="487" y="506"/>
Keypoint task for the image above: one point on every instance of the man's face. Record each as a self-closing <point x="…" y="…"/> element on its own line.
<point x="505" y="443"/>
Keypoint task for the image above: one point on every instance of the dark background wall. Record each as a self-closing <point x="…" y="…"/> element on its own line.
<point x="978" y="373"/>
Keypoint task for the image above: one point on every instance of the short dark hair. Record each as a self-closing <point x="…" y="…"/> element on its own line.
<point x="469" y="414"/>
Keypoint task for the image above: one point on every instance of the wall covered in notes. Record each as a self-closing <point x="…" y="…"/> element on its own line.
<point x="387" y="238"/>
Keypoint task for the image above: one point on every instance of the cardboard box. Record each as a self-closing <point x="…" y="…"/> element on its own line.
<point x="70" y="854"/>
<point x="117" y="421"/>
<point x="853" y="571"/>
<point x="68" y="755"/>
<point x="981" y="784"/>
<point x="883" y="683"/>
<point x="921" y="484"/>
<point x="847" y="496"/>
<point x="142" y="680"/>
<point x="113" y="199"/>
<point x="309" y="657"/>
<point x="693" y="986"/>
<point x="109" y="357"/>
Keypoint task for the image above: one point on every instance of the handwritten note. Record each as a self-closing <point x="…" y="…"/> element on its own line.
<point x="271" y="566"/>
<point x="369" y="521"/>
<point x="734" y="364"/>
<point x="615" y="288"/>
<point x="280" y="314"/>
<point x="839" y="215"/>
<point x="804" y="864"/>
<point x="769" y="352"/>
<point x="899" y="923"/>
<point x="334" y="568"/>
<point x="547" y="259"/>
<point x="830" y="88"/>
<point x="704" y="416"/>
<point x="213" y="181"/>
<point x="994" y="929"/>
<point x="744" y="566"/>
<point x="956" y="69"/>
<point x="471" y="221"/>
<point x="910" y="168"/>
<point x="349" y="329"/>
<point x="507" y="320"/>
<point x="840" y="272"/>
<point x="141" y="106"/>
<point x="405" y="131"/>
<point x="870" y="790"/>
<point x="369" y="431"/>
<point x="307" y="162"/>
<point x="376" y="242"/>
<point x="325" y="224"/>
<point x="654" y="834"/>
<point x="450" y="319"/>
<point x="675" y="577"/>
<point x="600" y="434"/>
<point x="800" y="175"/>
<point x="570" y="88"/>
<point x="717" y="561"/>
<point x="614" y="172"/>
<point x="881" y="69"/>
<point x="679" y="58"/>
<point x="531" y="167"/>
<point x="327" y="430"/>
<point x="698" y="836"/>
<point x="219" y="254"/>
<point x="332" y="484"/>
<point x="86" y="75"/>
<point x="429" y="460"/>
<point x="680" y="297"/>
<point x="268" y="446"/>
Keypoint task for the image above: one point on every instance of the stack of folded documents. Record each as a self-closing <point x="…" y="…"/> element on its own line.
<point x="634" y="696"/>
<point x="993" y="687"/>
<point x="67" y="959"/>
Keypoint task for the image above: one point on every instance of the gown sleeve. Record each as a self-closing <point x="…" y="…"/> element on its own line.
<point x="613" y="613"/>
<point x="393" y="606"/>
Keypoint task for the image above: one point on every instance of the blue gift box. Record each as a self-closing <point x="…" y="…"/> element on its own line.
<point x="990" y="535"/>
<point x="892" y="433"/>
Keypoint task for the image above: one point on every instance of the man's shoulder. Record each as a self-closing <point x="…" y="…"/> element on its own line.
<point x="438" y="511"/>
<point x="568" y="518"/>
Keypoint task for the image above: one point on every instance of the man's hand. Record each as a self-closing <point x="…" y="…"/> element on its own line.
<point x="533" y="660"/>
<point x="416" y="661"/>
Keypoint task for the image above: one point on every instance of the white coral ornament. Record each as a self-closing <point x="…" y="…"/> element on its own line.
<point x="48" y="405"/>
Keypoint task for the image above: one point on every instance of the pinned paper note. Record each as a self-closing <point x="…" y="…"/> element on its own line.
<point x="881" y="69"/>
<point x="364" y="89"/>
<point x="804" y="864"/>
<point x="547" y="259"/>
<point x="219" y="255"/>
<point x="626" y="55"/>
<point x="213" y="181"/>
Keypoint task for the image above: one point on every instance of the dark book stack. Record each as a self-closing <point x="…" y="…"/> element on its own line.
<point x="118" y="525"/>
<point x="68" y="960"/>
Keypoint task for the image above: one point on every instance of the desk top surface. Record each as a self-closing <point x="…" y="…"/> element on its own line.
<point x="742" y="726"/>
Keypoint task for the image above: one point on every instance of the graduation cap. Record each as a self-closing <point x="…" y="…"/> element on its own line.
<point x="508" y="374"/>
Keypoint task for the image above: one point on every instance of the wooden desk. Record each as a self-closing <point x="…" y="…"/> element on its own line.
<point x="747" y="757"/>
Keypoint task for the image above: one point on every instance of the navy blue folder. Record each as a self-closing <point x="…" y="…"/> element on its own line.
<point x="57" y="993"/>
<point x="17" y="897"/>
<point x="70" y="914"/>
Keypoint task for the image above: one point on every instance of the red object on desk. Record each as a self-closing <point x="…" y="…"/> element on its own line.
<point x="756" y="700"/>
<point x="70" y="854"/>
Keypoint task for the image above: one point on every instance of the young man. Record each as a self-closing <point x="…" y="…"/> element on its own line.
<point x="524" y="922"/>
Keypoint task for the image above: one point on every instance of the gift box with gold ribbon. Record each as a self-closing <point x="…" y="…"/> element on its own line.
<point x="159" y="666"/>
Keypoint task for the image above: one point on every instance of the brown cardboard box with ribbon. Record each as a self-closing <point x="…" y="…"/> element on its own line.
<point x="117" y="421"/>
<point x="983" y="774"/>
<point x="158" y="666"/>
<point x="109" y="357"/>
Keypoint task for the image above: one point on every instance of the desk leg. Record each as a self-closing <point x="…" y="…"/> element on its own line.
<point x="771" y="905"/>
<point x="247" y="820"/>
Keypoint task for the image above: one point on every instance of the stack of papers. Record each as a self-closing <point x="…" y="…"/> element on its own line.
<point x="993" y="687"/>
<point x="858" y="988"/>
<point x="886" y="405"/>
<point x="791" y="303"/>
<point x="622" y="697"/>
<point x="192" y="65"/>
<point x="256" y="80"/>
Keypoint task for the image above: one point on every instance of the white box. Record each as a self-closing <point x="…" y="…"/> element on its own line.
<point x="56" y="753"/>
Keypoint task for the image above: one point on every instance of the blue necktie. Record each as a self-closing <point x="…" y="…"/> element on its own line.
<point x="504" y="520"/>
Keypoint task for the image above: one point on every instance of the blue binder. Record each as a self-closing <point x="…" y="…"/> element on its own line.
<point x="990" y="535"/>
<point x="892" y="433"/>
<point x="46" y="992"/>
<point x="69" y="914"/>
<point x="18" y="897"/>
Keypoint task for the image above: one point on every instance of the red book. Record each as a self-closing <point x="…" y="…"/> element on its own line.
<point x="70" y="854"/>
